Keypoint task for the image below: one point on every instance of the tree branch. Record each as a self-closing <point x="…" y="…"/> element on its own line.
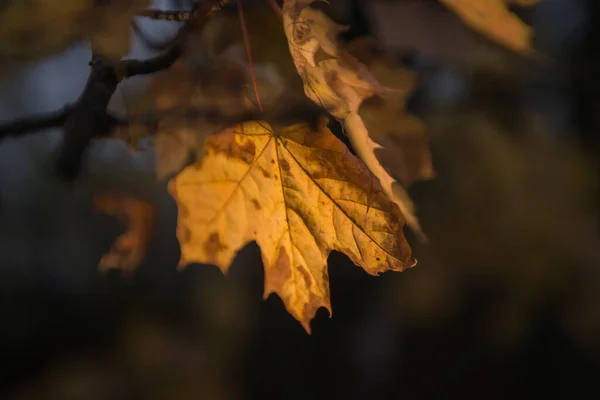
<point x="169" y="15"/>
<point x="131" y="68"/>
<point x="26" y="125"/>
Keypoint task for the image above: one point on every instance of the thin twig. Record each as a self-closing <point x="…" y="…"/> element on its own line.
<point x="275" y="8"/>
<point x="25" y="125"/>
<point x="249" y="52"/>
<point x="131" y="68"/>
<point x="53" y="119"/>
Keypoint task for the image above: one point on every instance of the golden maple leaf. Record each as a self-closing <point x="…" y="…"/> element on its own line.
<point x="493" y="19"/>
<point x="299" y="194"/>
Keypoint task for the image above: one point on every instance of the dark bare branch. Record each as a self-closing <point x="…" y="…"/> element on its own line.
<point x="131" y="68"/>
<point x="26" y="125"/>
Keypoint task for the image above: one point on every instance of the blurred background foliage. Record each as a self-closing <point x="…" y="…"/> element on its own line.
<point x="505" y="299"/>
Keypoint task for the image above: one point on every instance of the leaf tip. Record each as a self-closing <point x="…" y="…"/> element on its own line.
<point x="306" y="326"/>
<point x="183" y="263"/>
<point x="306" y="319"/>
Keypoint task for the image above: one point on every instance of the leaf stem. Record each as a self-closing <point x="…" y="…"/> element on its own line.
<point x="275" y="7"/>
<point x="249" y="52"/>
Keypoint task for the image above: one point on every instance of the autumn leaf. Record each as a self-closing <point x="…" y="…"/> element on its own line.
<point x="193" y="101"/>
<point x="222" y="37"/>
<point x="339" y="83"/>
<point x="405" y="152"/>
<point x="109" y="26"/>
<point x="299" y="194"/>
<point x="493" y="19"/>
<point x="139" y="216"/>
<point x="175" y="143"/>
<point x="184" y="97"/>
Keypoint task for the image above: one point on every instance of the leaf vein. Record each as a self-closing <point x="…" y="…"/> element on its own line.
<point x="340" y="208"/>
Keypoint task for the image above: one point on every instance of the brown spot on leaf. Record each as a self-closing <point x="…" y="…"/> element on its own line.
<point x="277" y="275"/>
<point x="184" y="234"/>
<point x="183" y="211"/>
<point x="256" y="204"/>
<point x="213" y="245"/>
<point x="305" y="275"/>
<point x="226" y="144"/>
<point x="284" y="165"/>
<point x="264" y="172"/>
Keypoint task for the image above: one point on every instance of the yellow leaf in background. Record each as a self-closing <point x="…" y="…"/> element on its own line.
<point x="405" y="152"/>
<point x="130" y="247"/>
<point x="35" y="29"/>
<point x="175" y="142"/>
<point x="109" y="26"/>
<point x="38" y="28"/>
<point x="184" y="96"/>
<point x="493" y="19"/>
<point x="299" y="194"/>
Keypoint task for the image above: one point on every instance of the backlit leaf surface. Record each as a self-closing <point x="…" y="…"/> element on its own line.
<point x="299" y="194"/>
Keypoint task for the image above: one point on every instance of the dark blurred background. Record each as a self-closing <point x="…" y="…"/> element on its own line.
<point x="505" y="300"/>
